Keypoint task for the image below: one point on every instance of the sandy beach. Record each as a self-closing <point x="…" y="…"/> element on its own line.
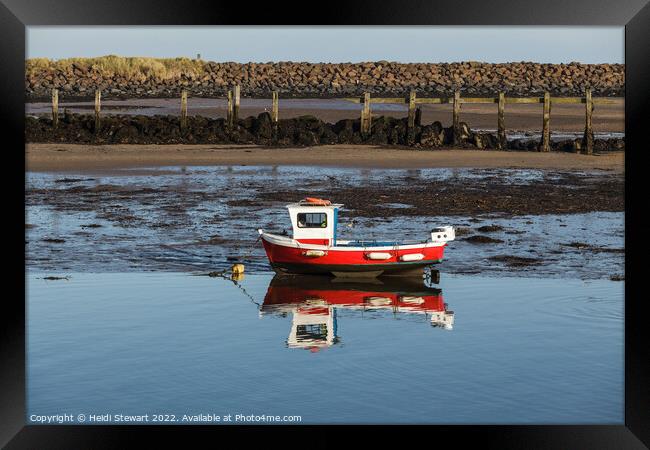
<point x="73" y="157"/>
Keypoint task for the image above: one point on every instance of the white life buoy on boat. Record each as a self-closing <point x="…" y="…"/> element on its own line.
<point x="314" y="253"/>
<point x="378" y="255"/>
<point x="412" y="257"/>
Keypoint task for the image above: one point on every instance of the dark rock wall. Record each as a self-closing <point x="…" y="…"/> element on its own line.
<point x="301" y="132"/>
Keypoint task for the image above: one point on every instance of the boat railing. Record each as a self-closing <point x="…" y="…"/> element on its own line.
<point x="377" y="243"/>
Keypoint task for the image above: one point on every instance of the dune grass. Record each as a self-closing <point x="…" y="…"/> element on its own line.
<point x="129" y="67"/>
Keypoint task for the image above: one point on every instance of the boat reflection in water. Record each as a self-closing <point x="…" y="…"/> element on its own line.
<point x="314" y="300"/>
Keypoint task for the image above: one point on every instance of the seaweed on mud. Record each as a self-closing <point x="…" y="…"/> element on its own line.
<point x="72" y="180"/>
<point x="214" y="240"/>
<point x="472" y="198"/>
<point x="592" y="248"/>
<point x="578" y="245"/>
<point x="161" y="225"/>
<point x="462" y="231"/>
<point x="480" y="239"/>
<point x="242" y="202"/>
<point x="607" y="250"/>
<point x="489" y="228"/>
<point x="515" y="261"/>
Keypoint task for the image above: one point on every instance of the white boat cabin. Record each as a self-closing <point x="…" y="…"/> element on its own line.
<point x="314" y="222"/>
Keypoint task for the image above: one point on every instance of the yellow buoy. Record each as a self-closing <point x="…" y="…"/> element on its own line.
<point x="237" y="268"/>
<point x="237" y="276"/>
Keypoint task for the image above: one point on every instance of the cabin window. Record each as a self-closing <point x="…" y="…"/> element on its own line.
<point x="316" y="332"/>
<point x="312" y="220"/>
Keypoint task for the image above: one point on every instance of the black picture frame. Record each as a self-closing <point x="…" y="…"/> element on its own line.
<point x="15" y="15"/>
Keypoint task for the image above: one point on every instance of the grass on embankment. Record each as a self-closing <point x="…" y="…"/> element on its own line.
<point x="128" y="67"/>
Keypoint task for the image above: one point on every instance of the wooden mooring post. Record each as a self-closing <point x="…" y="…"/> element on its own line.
<point x="55" y="107"/>
<point x="456" y="118"/>
<point x="502" y="142"/>
<point x="229" y="120"/>
<point x="183" y="109"/>
<point x="546" y="130"/>
<point x="414" y="114"/>
<point x="365" y="115"/>
<point x="588" y="139"/>
<point x="410" y="129"/>
<point x="98" y="100"/>
<point x="411" y="122"/>
<point x="236" y="96"/>
<point x="275" y="110"/>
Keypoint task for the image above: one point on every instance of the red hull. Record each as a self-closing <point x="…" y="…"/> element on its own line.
<point x="340" y="260"/>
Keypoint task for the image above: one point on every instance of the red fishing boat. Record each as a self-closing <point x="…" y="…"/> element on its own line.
<point x="313" y="301"/>
<point x="315" y="249"/>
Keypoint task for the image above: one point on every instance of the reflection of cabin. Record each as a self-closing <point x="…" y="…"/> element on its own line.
<point x="313" y="327"/>
<point x="314" y="321"/>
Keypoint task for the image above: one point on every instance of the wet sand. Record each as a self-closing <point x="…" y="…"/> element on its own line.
<point x="75" y="158"/>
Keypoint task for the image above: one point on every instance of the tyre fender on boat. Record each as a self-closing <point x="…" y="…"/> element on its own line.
<point x="412" y="257"/>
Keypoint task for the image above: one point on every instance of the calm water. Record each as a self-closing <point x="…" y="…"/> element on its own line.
<point x="514" y="349"/>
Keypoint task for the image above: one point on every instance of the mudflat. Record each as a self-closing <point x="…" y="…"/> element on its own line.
<point x="78" y="157"/>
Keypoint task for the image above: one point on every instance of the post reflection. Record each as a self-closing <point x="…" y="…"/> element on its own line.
<point x="313" y="301"/>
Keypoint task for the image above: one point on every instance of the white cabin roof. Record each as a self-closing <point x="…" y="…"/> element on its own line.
<point x="304" y="203"/>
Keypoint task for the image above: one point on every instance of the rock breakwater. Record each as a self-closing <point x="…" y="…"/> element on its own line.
<point x="301" y="131"/>
<point x="147" y="77"/>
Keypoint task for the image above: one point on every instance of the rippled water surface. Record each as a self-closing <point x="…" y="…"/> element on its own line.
<point x="469" y="350"/>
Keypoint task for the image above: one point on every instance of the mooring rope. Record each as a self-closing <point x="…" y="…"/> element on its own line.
<point x="245" y="292"/>
<point x="223" y="273"/>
